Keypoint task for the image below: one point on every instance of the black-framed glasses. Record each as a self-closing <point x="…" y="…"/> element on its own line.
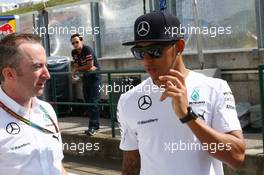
<point x="76" y="42"/>
<point x="154" y="51"/>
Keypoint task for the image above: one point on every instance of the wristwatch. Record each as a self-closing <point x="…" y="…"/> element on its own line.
<point x="190" y="116"/>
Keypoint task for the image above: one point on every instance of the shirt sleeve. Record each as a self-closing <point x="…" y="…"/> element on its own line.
<point x="88" y="53"/>
<point x="129" y="140"/>
<point x="225" y="116"/>
<point x="87" y="56"/>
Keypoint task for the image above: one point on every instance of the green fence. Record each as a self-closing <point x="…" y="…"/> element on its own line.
<point x="261" y="87"/>
<point x="110" y="101"/>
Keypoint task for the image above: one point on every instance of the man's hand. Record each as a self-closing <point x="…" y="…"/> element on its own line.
<point x="93" y="68"/>
<point x="176" y="89"/>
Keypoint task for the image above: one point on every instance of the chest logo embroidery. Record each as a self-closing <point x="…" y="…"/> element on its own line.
<point x="12" y="128"/>
<point x="144" y="102"/>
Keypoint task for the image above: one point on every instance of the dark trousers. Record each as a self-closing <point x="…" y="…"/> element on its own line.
<point x="91" y="83"/>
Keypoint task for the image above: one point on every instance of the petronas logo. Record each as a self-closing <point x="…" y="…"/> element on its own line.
<point x="195" y="94"/>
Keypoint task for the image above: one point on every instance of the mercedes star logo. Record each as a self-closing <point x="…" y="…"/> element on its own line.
<point x="143" y="28"/>
<point x="144" y="102"/>
<point x="12" y="128"/>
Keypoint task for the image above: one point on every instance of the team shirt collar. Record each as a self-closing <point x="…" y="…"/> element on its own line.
<point x="13" y="105"/>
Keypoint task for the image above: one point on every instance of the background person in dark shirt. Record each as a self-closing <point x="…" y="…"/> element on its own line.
<point x="85" y="60"/>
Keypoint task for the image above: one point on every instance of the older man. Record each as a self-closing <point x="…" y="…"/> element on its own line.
<point x="30" y="141"/>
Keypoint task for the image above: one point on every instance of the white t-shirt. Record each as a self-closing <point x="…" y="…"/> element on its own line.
<point x="166" y="146"/>
<point x="25" y="150"/>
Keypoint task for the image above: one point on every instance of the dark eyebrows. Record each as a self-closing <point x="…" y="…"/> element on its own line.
<point x="36" y="64"/>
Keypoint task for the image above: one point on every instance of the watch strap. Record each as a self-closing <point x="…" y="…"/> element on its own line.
<point x="190" y="116"/>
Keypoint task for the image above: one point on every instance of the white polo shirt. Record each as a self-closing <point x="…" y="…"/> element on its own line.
<point x="166" y="146"/>
<point x="25" y="150"/>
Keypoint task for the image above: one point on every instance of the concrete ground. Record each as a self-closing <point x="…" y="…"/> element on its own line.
<point x="107" y="161"/>
<point x="81" y="166"/>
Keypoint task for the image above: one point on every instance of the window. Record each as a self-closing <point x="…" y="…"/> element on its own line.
<point x="117" y="25"/>
<point x="65" y="21"/>
<point x="225" y="24"/>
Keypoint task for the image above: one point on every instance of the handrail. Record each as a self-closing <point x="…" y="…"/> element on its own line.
<point x="104" y="72"/>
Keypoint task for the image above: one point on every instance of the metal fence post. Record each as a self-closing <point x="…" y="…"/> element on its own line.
<point x="261" y="86"/>
<point x="259" y="5"/>
<point x="111" y="99"/>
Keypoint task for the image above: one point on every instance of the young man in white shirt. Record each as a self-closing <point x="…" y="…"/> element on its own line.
<point x="30" y="141"/>
<point x="177" y="121"/>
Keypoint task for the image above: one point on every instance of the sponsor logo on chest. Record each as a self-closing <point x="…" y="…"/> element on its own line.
<point x="196" y="98"/>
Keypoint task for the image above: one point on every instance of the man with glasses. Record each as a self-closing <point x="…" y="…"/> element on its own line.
<point x="86" y="61"/>
<point x="187" y="124"/>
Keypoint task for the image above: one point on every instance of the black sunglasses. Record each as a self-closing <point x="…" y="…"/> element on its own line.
<point x="155" y="50"/>
<point x="76" y="42"/>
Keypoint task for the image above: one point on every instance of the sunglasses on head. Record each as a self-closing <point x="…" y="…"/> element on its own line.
<point x="76" y="42"/>
<point x="154" y="51"/>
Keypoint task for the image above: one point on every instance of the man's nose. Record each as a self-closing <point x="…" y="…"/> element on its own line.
<point x="46" y="73"/>
<point x="147" y="58"/>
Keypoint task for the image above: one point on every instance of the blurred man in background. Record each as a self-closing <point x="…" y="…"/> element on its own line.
<point x="85" y="61"/>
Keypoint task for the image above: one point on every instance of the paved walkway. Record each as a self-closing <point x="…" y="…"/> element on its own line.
<point x="87" y="167"/>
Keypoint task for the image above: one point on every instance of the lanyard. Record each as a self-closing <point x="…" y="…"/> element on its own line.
<point x="28" y="122"/>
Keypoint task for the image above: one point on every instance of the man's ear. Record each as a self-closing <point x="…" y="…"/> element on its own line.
<point x="9" y="73"/>
<point x="180" y="45"/>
